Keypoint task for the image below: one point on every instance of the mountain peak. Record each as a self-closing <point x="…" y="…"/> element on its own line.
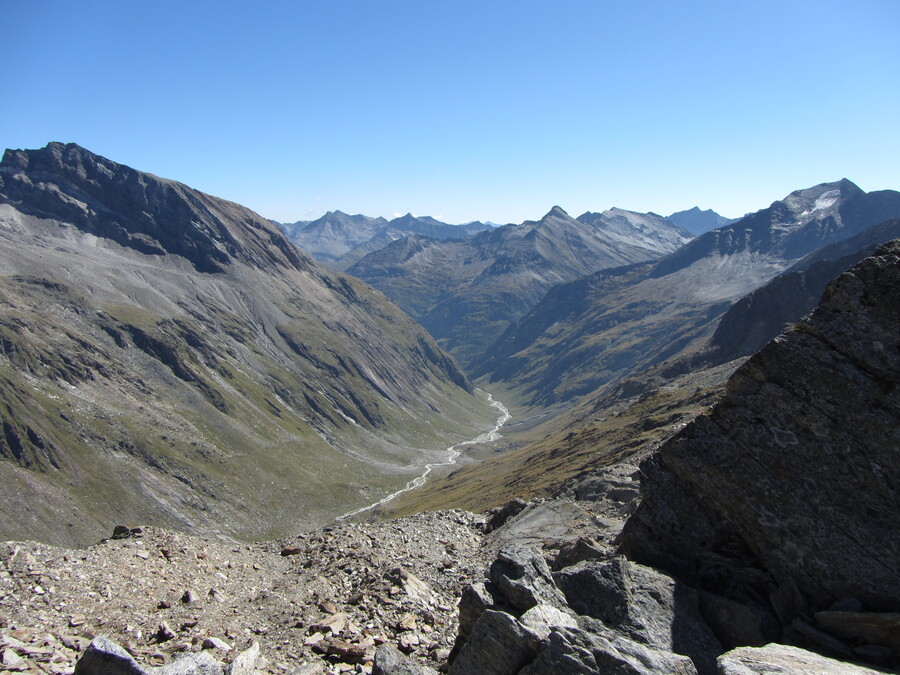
<point x="821" y="198"/>
<point x="558" y="212"/>
<point x="697" y="220"/>
<point x="138" y="210"/>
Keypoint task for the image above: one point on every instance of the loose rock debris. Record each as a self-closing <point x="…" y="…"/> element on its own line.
<point x="319" y="602"/>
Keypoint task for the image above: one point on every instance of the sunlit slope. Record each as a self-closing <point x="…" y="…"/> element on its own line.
<point x="169" y="357"/>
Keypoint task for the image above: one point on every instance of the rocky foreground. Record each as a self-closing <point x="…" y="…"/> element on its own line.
<point x="320" y="602"/>
<point x="531" y="588"/>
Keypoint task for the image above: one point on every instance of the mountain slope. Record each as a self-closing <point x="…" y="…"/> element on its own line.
<point x="467" y="292"/>
<point x="599" y="328"/>
<point x="170" y="358"/>
<point x="763" y="314"/>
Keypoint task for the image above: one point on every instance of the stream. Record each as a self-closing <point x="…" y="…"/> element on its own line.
<point x="453" y="451"/>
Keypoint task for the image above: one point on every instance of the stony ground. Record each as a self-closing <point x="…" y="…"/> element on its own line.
<point x="317" y="603"/>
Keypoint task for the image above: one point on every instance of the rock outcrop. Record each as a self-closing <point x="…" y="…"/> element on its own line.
<point x="785" y="660"/>
<point x="785" y="496"/>
<point x="595" y="616"/>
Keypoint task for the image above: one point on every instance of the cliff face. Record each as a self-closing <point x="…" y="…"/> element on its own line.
<point x="761" y="315"/>
<point x="797" y="466"/>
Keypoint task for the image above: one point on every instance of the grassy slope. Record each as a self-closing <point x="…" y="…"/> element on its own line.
<point x="540" y="460"/>
<point x="198" y="412"/>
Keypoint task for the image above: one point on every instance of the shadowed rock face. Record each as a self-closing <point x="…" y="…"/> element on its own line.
<point x="799" y="461"/>
<point x="760" y="316"/>
<point x="140" y="211"/>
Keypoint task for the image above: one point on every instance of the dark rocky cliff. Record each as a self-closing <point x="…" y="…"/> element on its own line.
<point x="797" y="467"/>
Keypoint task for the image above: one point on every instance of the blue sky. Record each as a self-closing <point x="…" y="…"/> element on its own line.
<point x="465" y="110"/>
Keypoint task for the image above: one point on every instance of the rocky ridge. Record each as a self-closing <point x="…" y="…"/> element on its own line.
<point x="761" y="315"/>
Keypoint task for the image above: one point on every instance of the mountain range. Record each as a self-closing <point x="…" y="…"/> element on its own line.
<point x="604" y="326"/>
<point x="169" y="356"/>
<point x="339" y="240"/>
<point x="467" y="292"/>
<point x="150" y="331"/>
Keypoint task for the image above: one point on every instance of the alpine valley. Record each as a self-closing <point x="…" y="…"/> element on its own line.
<point x="171" y="358"/>
<point x="618" y="443"/>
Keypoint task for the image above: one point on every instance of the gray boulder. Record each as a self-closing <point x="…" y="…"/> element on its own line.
<point x="474" y="600"/>
<point x="391" y="661"/>
<point x="739" y="624"/>
<point x="643" y="605"/>
<point x="575" y="651"/>
<point x="105" y="657"/>
<point x="785" y="660"/>
<point x="499" y="645"/>
<point x="523" y="579"/>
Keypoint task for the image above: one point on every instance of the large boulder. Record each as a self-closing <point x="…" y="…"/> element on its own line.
<point x="499" y="645"/>
<point x="598" y="616"/>
<point x="642" y="605"/>
<point x="523" y="579"/>
<point x="105" y="657"/>
<point x="785" y="660"/>
<point x="792" y="477"/>
<point x="578" y="652"/>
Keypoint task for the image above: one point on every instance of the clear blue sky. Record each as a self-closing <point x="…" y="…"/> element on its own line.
<point x="465" y="110"/>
